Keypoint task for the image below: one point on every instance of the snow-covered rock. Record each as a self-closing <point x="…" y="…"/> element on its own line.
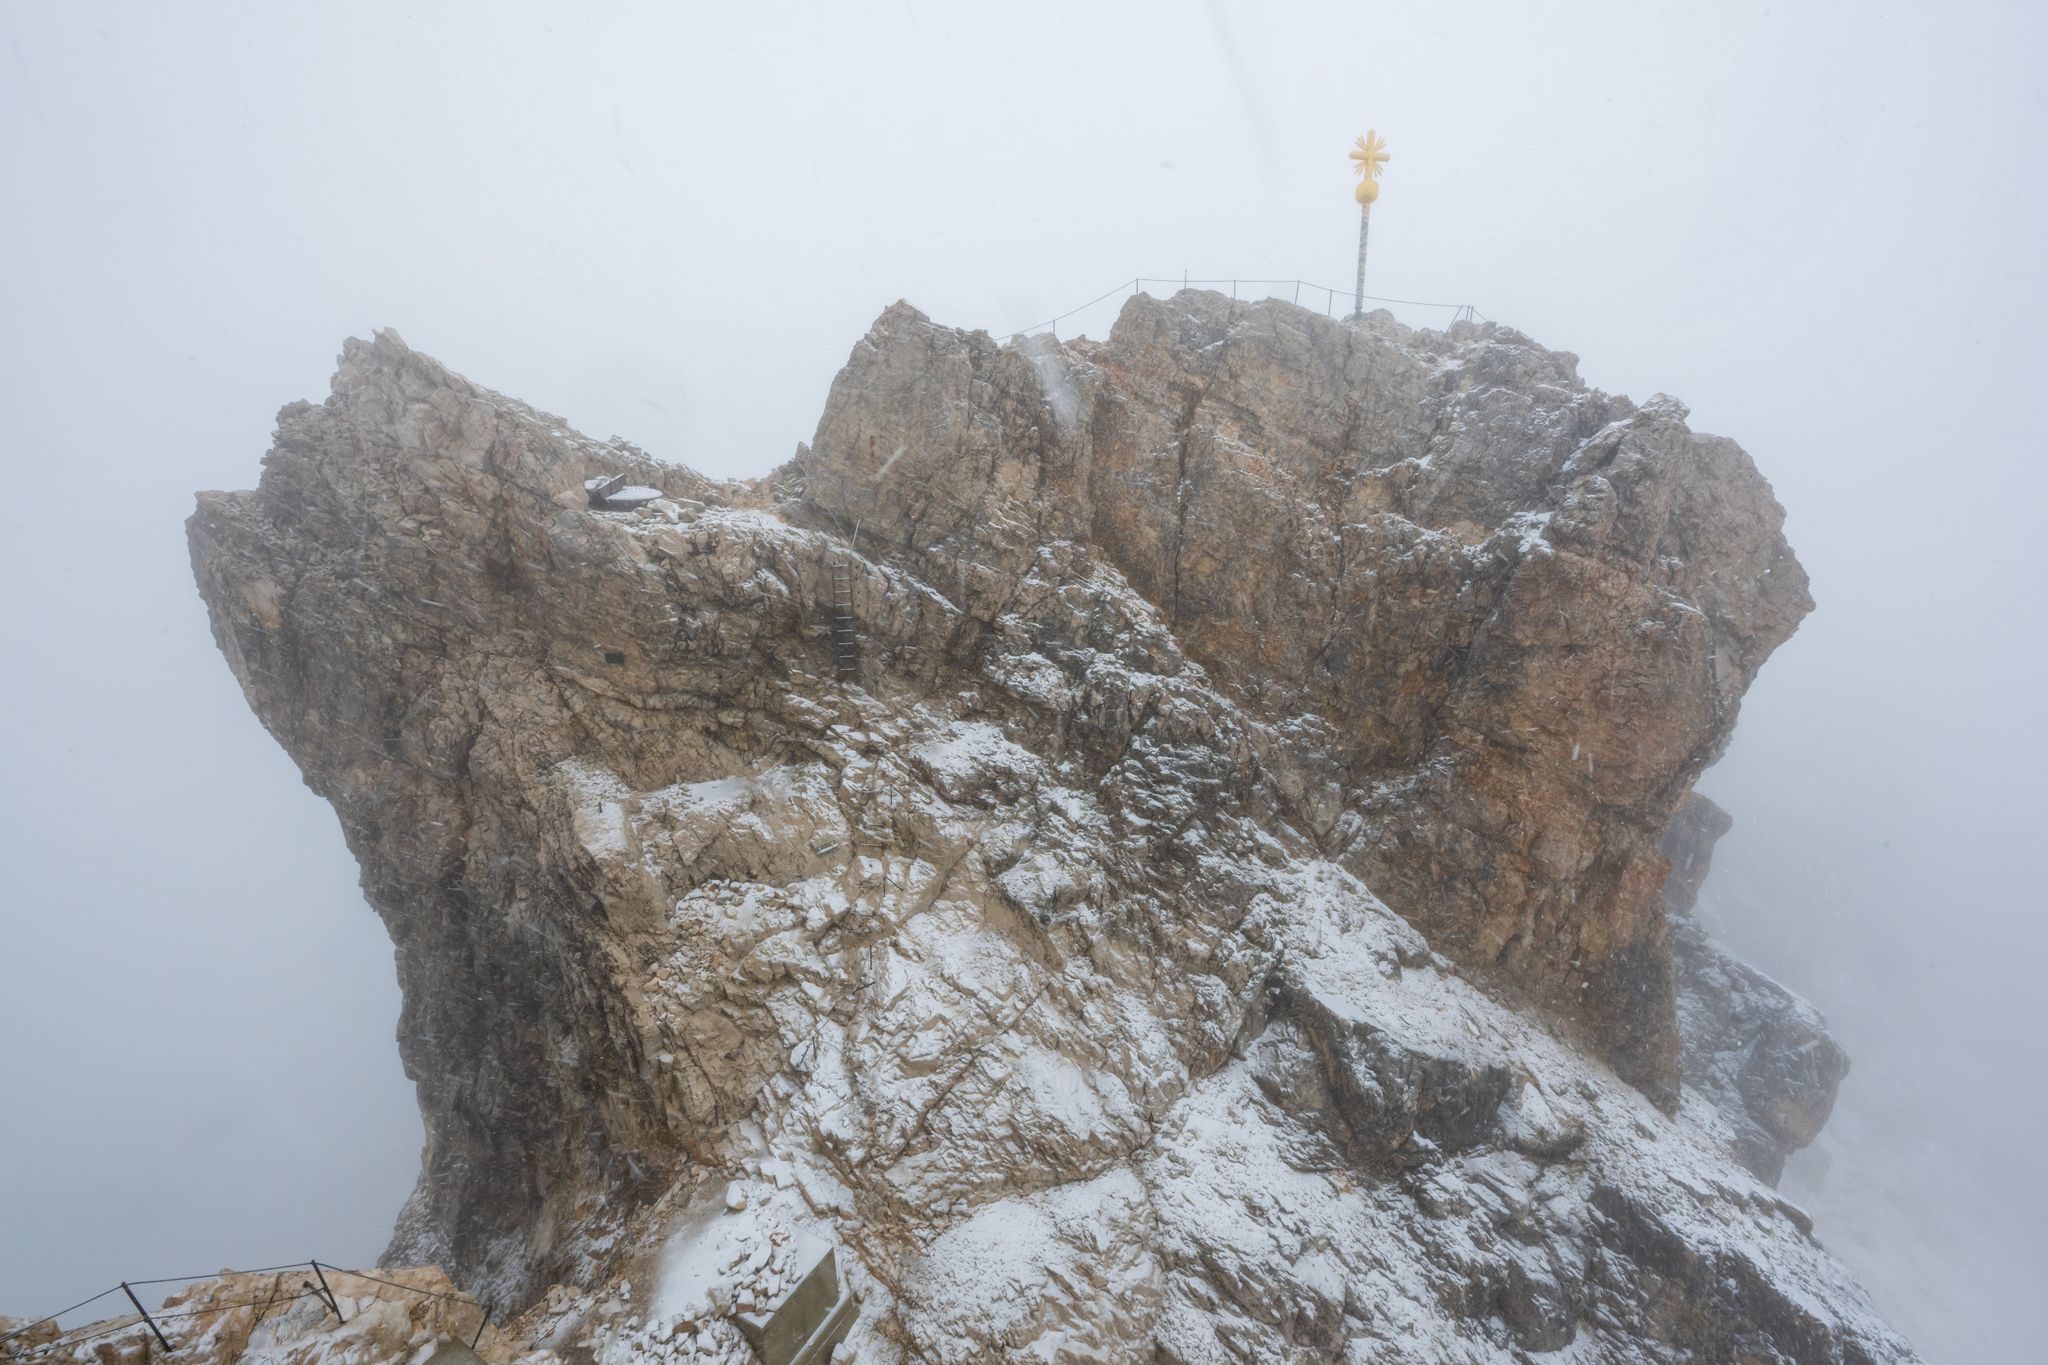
<point x="1038" y="969"/>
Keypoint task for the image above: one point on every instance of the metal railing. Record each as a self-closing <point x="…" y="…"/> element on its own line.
<point x="68" y="1337"/>
<point x="1457" y="312"/>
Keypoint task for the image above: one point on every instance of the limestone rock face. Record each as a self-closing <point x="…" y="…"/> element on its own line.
<point x="1761" y="1053"/>
<point x="1504" y="619"/>
<point x="1036" y="968"/>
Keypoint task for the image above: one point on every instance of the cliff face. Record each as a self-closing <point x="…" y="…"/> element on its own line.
<point x="1037" y="966"/>
<point x="1505" y="619"/>
<point x="1759" y="1052"/>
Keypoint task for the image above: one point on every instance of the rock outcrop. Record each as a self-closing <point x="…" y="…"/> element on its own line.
<point x="1504" y="618"/>
<point x="1763" y="1055"/>
<point x="1037" y="967"/>
<point x="281" y="1318"/>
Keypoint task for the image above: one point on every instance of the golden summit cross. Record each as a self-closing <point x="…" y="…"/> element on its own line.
<point x="1368" y="154"/>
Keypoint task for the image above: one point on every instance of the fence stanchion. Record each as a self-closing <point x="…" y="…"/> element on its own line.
<point x="328" y="1290"/>
<point x="161" y="1338"/>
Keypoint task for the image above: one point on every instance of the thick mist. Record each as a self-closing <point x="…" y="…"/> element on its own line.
<point x="1817" y="224"/>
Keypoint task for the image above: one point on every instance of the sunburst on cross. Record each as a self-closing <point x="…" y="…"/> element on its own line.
<point x="1368" y="154"/>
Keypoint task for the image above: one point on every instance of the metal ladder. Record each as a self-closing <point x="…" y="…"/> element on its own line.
<point x="845" y="644"/>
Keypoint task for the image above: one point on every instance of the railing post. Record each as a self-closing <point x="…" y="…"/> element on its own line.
<point x="331" y="1302"/>
<point x="165" y="1341"/>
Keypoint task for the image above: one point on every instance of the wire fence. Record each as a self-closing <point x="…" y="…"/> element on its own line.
<point x="67" y="1338"/>
<point x="1266" y="289"/>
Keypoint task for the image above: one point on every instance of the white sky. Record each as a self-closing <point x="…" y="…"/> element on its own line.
<point x="1820" y="224"/>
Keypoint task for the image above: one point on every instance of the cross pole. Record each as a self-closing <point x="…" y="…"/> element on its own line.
<point x="1367" y="155"/>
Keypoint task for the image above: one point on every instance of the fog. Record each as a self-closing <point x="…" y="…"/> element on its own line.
<point x="1820" y="225"/>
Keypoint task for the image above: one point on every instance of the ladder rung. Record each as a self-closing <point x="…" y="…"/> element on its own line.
<point x="845" y="642"/>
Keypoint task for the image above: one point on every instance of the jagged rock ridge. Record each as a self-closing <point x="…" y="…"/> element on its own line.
<point x="1039" y="967"/>
<point x="1506" y="618"/>
<point x="1763" y="1055"/>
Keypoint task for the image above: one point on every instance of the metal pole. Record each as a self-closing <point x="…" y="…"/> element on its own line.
<point x="1364" y="226"/>
<point x="480" y="1326"/>
<point x="331" y="1301"/>
<point x="146" y="1317"/>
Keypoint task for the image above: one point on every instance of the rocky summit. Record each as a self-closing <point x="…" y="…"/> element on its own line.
<point x="1152" y="849"/>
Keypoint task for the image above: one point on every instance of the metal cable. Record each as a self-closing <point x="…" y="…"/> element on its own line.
<point x="1139" y="282"/>
<point x="64" y="1339"/>
<point x="216" y="1274"/>
<point x="59" y="1313"/>
<point x="430" y="1293"/>
<point x="1111" y="293"/>
<point x="49" y="1346"/>
<point x="230" y="1307"/>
